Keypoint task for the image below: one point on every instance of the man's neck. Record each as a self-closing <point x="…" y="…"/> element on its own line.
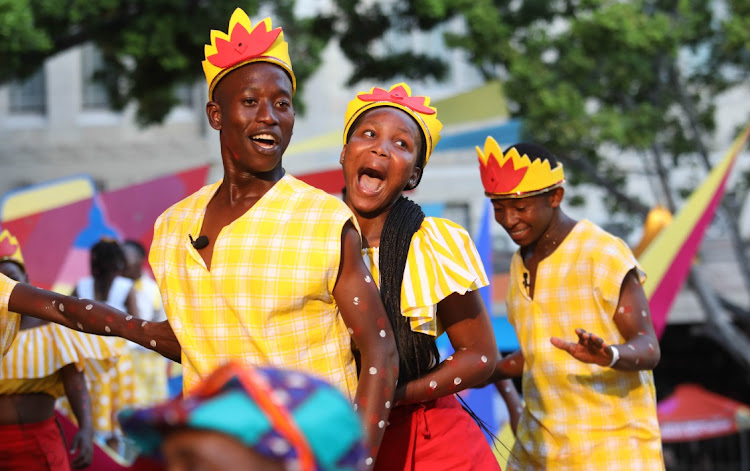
<point x="559" y="227"/>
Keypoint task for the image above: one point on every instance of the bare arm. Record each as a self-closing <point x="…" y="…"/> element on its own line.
<point x="470" y="331"/>
<point x="363" y="312"/>
<point x="508" y="391"/>
<point x="80" y="402"/>
<point x="507" y="367"/>
<point x="640" y="351"/>
<point x="131" y="306"/>
<point x="94" y="318"/>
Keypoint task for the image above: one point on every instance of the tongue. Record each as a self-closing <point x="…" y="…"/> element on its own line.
<point x="370" y="183"/>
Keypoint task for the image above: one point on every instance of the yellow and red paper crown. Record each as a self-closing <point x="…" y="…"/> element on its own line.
<point x="242" y="45"/>
<point x="512" y="175"/>
<point x="10" y="249"/>
<point x="399" y="96"/>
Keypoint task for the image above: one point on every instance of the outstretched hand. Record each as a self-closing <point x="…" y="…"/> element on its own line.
<point x="590" y="348"/>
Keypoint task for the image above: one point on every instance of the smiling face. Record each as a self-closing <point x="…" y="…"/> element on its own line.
<point x="380" y="160"/>
<point x="527" y="219"/>
<point x="252" y="108"/>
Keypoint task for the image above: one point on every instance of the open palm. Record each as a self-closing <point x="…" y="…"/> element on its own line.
<point x="590" y="348"/>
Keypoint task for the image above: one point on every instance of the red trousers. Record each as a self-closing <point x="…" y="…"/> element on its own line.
<point x="434" y="436"/>
<point x="33" y="447"/>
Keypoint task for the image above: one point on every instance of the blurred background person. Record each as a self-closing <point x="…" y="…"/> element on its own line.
<point x="112" y="389"/>
<point x="150" y="367"/>
<point x="44" y="363"/>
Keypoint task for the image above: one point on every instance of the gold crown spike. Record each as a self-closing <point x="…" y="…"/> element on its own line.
<point x="399" y="96"/>
<point x="511" y="175"/>
<point x="10" y="249"/>
<point x="242" y="45"/>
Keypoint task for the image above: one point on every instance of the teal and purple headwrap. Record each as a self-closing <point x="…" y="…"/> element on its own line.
<point x="284" y="415"/>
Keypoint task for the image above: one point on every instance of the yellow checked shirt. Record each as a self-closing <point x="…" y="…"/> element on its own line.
<point x="268" y="297"/>
<point x="9" y="321"/>
<point x="442" y="260"/>
<point x="579" y="416"/>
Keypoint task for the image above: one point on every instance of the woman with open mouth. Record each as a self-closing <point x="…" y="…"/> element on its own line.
<point x="428" y="271"/>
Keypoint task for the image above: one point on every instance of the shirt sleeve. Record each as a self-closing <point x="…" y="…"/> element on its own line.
<point x="613" y="260"/>
<point x="9" y="321"/>
<point x="442" y="260"/>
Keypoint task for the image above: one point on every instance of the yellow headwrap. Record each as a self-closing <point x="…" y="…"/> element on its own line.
<point x="242" y="45"/>
<point x="514" y="176"/>
<point x="399" y="96"/>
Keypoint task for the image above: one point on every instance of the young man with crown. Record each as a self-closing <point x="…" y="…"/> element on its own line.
<point x="258" y="267"/>
<point x="590" y="404"/>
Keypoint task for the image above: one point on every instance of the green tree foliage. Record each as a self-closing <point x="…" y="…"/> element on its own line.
<point x="149" y="47"/>
<point x="586" y="76"/>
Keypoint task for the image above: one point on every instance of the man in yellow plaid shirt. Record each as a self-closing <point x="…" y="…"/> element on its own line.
<point x="590" y="404"/>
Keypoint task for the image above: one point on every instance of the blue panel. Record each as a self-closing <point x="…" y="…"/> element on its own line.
<point x="505" y="134"/>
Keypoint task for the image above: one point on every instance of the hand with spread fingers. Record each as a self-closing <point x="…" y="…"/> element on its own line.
<point x="590" y="348"/>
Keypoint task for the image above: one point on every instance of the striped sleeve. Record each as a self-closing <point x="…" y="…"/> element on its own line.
<point x="9" y="321"/>
<point x="442" y="260"/>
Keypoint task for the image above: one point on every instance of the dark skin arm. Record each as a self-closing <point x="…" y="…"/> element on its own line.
<point x="75" y="389"/>
<point x="640" y="351"/>
<point x="94" y="318"/>
<point x="507" y="367"/>
<point x="507" y="390"/>
<point x="470" y="331"/>
<point x="364" y="315"/>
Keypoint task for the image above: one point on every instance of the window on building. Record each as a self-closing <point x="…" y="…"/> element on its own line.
<point x="30" y="95"/>
<point x="94" y="94"/>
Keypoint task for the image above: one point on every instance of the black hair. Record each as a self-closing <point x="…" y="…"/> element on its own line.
<point x="107" y="259"/>
<point x="417" y="352"/>
<point x="134" y="244"/>
<point x="535" y="152"/>
<point x="421" y="156"/>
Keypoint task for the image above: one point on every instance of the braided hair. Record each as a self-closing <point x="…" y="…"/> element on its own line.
<point x="417" y="352"/>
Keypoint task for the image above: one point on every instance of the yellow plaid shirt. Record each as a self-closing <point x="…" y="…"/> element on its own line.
<point x="579" y="416"/>
<point x="9" y="321"/>
<point x="442" y="260"/>
<point x="268" y="297"/>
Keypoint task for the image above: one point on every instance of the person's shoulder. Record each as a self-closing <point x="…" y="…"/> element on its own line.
<point x="598" y="240"/>
<point x="307" y="196"/>
<point x="436" y="227"/>
<point x="188" y="205"/>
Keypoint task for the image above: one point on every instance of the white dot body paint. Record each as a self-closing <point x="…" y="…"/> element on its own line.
<point x="513" y="362"/>
<point x="143" y="324"/>
<point x="107" y="329"/>
<point x="457" y="381"/>
<point x="61" y="307"/>
<point x="621" y="309"/>
<point x="356" y="406"/>
<point x="637" y="361"/>
<point x="644" y="313"/>
<point x="152" y="343"/>
<point x="382" y="333"/>
<point x="368" y="279"/>
<point x="507" y="388"/>
<point x="651" y="347"/>
<point x="127" y="318"/>
<point x="350" y="330"/>
<point x="433" y="384"/>
<point x="484" y="359"/>
<point x="89" y="307"/>
<point x="387" y="404"/>
<point x="356" y="300"/>
<point x="381" y="424"/>
<point x="631" y="347"/>
<point x="80" y="326"/>
<point x="373" y="370"/>
<point x="449" y="358"/>
<point x="368" y="461"/>
<point x="54" y="301"/>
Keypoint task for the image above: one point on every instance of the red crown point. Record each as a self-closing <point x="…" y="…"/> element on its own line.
<point x="7" y="248"/>
<point x="243" y="45"/>
<point x="498" y="178"/>
<point x="400" y="96"/>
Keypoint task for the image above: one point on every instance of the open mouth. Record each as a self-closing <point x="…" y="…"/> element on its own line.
<point x="265" y="141"/>
<point x="371" y="180"/>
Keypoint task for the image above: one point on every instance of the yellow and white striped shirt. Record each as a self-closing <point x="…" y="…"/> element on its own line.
<point x="579" y="416"/>
<point x="9" y="321"/>
<point x="268" y="297"/>
<point x="442" y="260"/>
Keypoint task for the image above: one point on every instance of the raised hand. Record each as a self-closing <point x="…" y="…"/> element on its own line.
<point x="590" y="348"/>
